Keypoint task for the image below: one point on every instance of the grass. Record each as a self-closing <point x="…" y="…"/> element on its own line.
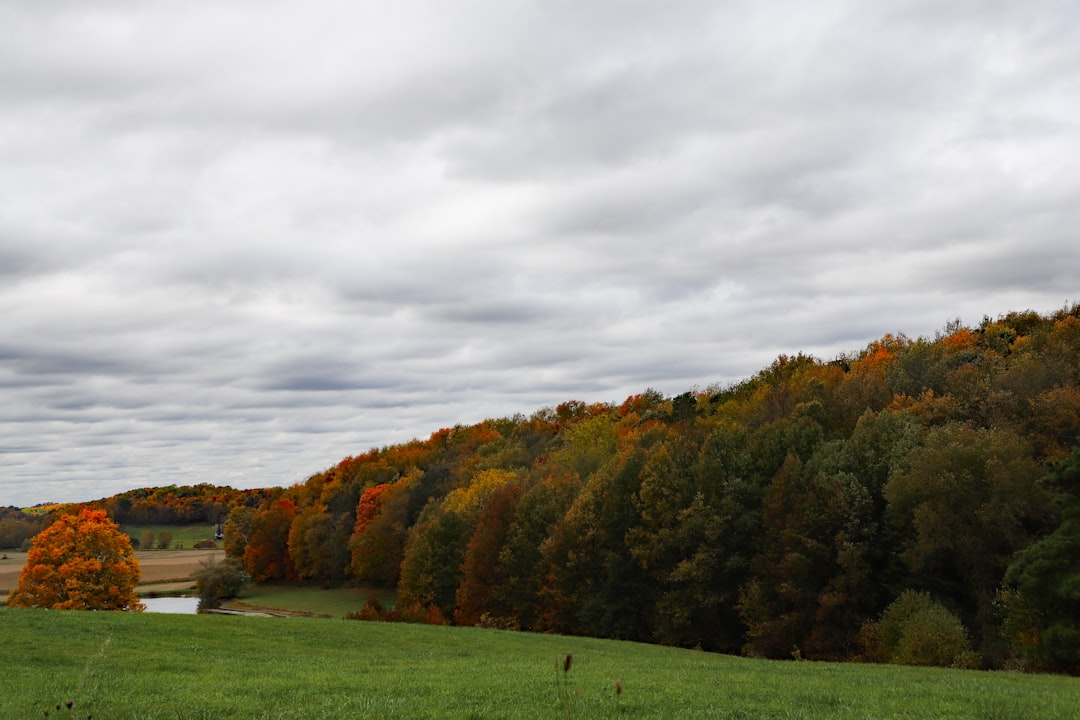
<point x="122" y="666"/>
<point x="335" y="602"/>
<point x="182" y="535"/>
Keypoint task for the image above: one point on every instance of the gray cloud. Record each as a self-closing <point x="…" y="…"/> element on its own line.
<point x="241" y="241"/>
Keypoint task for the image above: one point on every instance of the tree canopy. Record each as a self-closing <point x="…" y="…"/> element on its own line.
<point x="80" y="562"/>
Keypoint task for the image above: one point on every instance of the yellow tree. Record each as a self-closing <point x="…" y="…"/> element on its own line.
<point x="80" y="562"/>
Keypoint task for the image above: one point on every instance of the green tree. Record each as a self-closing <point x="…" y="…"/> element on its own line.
<point x="433" y="566"/>
<point x="217" y="581"/>
<point x="966" y="502"/>
<point x="539" y="509"/>
<point x="592" y="583"/>
<point x="699" y="520"/>
<point x="1047" y="573"/>
<point x="431" y="569"/>
<point x="586" y="445"/>
<point x="318" y="544"/>
<point x="917" y="630"/>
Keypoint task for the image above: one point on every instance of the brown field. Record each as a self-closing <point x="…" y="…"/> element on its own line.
<point x="158" y="566"/>
<point x="163" y="566"/>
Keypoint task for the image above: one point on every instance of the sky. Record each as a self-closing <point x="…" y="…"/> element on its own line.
<point x="242" y="240"/>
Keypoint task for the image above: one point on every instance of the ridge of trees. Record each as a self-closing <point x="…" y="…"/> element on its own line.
<point x="780" y="516"/>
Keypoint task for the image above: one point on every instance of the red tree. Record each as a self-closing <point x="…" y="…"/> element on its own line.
<point x="266" y="556"/>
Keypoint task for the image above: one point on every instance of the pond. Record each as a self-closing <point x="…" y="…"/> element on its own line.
<point x="172" y="605"/>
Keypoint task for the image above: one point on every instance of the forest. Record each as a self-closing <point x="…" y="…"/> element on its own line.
<point x="916" y="501"/>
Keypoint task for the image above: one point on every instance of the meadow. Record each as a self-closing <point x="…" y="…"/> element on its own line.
<point x="122" y="666"/>
<point x="333" y="602"/>
<point x="183" y="536"/>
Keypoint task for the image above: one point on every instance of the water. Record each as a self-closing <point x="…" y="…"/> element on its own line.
<point x="172" y="605"/>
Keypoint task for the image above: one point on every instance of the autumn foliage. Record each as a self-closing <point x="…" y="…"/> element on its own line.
<point x="80" y="562"/>
<point x="784" y="513"/>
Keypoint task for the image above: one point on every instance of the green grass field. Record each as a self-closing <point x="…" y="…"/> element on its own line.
<point x="335" y="602"/>
<point x="121" y="666"/>
<point x="185" y="535"/>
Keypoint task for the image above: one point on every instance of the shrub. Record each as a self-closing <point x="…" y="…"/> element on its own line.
<point x="414" y="613"/>
<point x="1019" y="628"/>
<point x="217" y="581"/>
<point x="498" y="622"/>
<point x="372" y="610"/>
<point x="917" y="630"/>
<point x="164" y="539"/>
<point x="205" y="545"/>
<point x="146" y="539"/>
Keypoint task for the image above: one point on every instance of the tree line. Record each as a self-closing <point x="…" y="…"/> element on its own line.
<point x="882" y="505"/>
<point x="783" y="515"/>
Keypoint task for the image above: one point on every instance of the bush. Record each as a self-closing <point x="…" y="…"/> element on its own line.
<point x="217" y="581"/>
<point x="371" y="611"/>
<point x="205" y="545"/>
<point x="415" y="613"/>
<point x="917" y="630"/>
<point x="164" y="539"/>
<point x="498" y="622"/>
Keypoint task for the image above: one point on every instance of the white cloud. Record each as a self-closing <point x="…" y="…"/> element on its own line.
<point x="243" y="240"/>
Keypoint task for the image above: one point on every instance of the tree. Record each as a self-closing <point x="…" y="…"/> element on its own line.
<point x="266" y="556"/>
<point x="164" y="540"/>
<point x="237" y="531"/>
<point x="679" y="543"/>
<point x="431" y="569"/>
<point x="592" y="585"/>
<point x="17" y="528"/>
<point x="918" y="630"/>
<point x="382" y="528"/>
<point x="146" y="540"/>
<point x="318" y="544"/>
<point x="80" y="562"/>
<point x="217" y="581"/>
<point x="1047" y="574"/>
<point x="482" y="573"/>
<point x="536" y="513"/>
<point x="965" y="504"/>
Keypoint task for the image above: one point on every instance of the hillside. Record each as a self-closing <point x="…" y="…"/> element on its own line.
<point x="773" y="518"/>
<point x="125" y="666"/>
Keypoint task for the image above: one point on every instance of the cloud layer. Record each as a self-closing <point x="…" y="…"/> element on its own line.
<point x="242" y="240"/>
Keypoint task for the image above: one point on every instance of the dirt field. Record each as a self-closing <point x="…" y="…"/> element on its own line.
<point x="10" y="566"/>
<point x="158" y="566"/>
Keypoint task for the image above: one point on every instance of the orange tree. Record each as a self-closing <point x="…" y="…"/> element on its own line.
<point x="80" y="562"/>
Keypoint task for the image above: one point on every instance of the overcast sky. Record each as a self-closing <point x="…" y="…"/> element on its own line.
<point x="242" y="240"/>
